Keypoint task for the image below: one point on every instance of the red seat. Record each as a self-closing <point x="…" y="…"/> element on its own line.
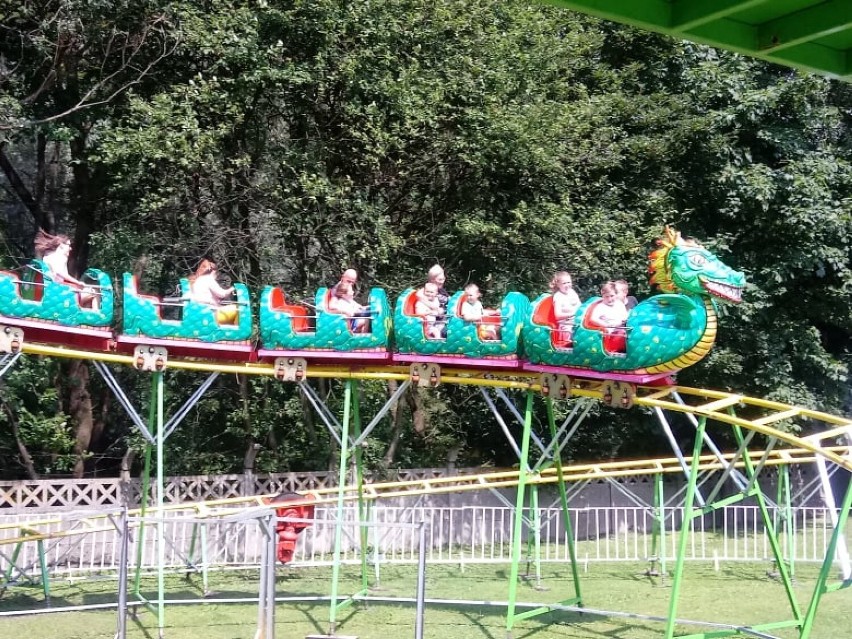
<point x="410" y="303"/>
<point x="299" y="314"/>
<point x="614" y="338"/>
<point x="545" y="316"/>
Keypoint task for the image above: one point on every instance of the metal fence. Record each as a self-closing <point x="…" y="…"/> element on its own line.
<point x="455" y="535"/>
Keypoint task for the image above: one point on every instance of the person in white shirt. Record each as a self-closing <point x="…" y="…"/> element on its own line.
<point x="472" y="311"/>
<point x="205" y="289"/>
<point x="343" y="302"/>
<point x="610" y="312"/>
<point x="565" y="304"/>
<point x="437" y="277"/>
<point x="429" y="309"/>
<point x="349" y="276"/>
<point x="54" y="251"/>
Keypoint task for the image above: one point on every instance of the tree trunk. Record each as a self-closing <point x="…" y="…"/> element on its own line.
<point x="397" y="417"/>
<point x="418" y="411"/>
<point x="26" y="458"/>
<point x="80" y="410"/>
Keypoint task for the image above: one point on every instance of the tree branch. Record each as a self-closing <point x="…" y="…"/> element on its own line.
<point x="86" y="101"/>
<point x="20" y="189"/>
<point x="26" y="458"/>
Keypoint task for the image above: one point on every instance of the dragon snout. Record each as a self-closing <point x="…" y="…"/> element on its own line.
<point x="730" y="290"/>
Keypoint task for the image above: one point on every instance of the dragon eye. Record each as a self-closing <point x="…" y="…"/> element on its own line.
<point x="696" y="260"/>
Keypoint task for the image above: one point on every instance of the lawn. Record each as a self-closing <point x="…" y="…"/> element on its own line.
<point x="737" y="593"/>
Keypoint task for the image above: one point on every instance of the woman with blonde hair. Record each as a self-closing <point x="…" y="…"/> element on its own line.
<point x="565" y="304"/>
<point x="204" y="289"/>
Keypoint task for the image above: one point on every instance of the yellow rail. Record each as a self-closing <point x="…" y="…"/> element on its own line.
<point x="758" y="415"/>
<point x="414" y="488"/>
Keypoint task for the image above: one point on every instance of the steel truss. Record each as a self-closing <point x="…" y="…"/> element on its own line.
<point x="540" y="462"/>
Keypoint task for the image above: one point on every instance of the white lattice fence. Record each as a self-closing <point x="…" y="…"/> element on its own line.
<point x="71" y="494"/>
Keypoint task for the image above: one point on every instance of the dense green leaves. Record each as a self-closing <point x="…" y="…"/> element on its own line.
<point x="288" y="140"/>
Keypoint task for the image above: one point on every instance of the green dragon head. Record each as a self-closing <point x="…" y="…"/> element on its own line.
<point x="684" y="266"/>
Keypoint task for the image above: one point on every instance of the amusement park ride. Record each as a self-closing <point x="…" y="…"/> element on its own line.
<point x="624" y="367"/>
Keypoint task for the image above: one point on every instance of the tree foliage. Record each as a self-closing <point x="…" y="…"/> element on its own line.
<point x="288" y="140"/>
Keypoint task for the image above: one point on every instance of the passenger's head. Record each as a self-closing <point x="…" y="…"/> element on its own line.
<point x="622" y="289"/>
<point x="436" y="275"/>
<point x="430" y="290"/>
<point x="350" y="276"/>
<point x="345" y="290"/>
<point x="609" y="293"/>
<point x="561" y="282"/>
<point x="472" y="292"/>
<point x="45" y="244"/>
<point x="205" y="268"/>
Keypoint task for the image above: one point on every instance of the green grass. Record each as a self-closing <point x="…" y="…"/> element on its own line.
<point x="738" y="593"/>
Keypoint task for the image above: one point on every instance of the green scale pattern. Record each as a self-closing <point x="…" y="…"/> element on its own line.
<point x="331" y="331"/>
<point x="659" y="330"/>
<point x="462" y="338"/>
<point x="198" y="321"/>
<point x="59" y="302"/>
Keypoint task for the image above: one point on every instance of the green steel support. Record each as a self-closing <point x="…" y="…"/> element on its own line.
<point x="658" y="530"/>
<point x="359" y="482"/>
<point x="822" y="585"/>
<point x="161" y="525"/>
<point x="688" y="516"/>
<point x="783" y="572"/>
<point x="566" y="513"/>
<point x="691" y="513"/>
<point x="12" y="562"/>
<point x="517" y="530"/>
<point x="146" y="483"/>
<point x="786" y="522"/>
<point x="523" y="478"/>
<point x="45" y="575"/>
<point x="341" y="485"/>
<point x="199" y="530"/>
<point x="535" y="518"/>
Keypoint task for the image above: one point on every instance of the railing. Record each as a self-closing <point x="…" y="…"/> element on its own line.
<point x="455" y="535"/>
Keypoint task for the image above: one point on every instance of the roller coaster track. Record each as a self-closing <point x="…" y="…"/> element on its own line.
<point x="212" y="509"/>
<point x="748" y="416"/>
<point x="414" y="488"/>
<point x="758" y="415"/>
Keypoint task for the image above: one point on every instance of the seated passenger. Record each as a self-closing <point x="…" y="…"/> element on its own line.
<point x="204" y="289"/>
<point x="349" y="276"/>
<point x="429" y="309"/>
<point x="610" y="312"/>
<point x="472" y="311"/>
<point x="565" y="305"/>
<point x="343" y="302"/>
<point x="437" y="277"/>
<point x="54" y="251"/>
<point x="622" y="288"/>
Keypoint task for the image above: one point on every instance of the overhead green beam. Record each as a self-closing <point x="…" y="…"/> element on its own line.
<point x="742" y="38"/>
<point x="792" y="38"/>
<point x="805" y="26"/>
<point x="688" y="14"/>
